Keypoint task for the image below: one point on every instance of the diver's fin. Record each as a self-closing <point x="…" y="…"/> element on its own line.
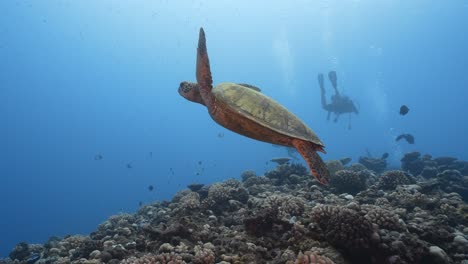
<point x="203" y="69"/>
<point x="336" y="118"/>
<point x="322" y="91"/>
<point x="349" y="122"/>
<point x="400" y="137"/>
<point x="334" y="81"/>
<point x="250" y="86"/>
<point x="317" y="167"/>
<point x="320" y="81"/>
<point x="355" y="109"/>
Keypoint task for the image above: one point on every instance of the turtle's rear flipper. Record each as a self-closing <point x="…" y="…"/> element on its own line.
<point x="203" y="69"/>
<point x="334" y="81"/>
<point x="316" y="165"/>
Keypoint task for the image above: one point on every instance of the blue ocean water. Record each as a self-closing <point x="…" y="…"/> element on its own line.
<point x="81" y="78"/>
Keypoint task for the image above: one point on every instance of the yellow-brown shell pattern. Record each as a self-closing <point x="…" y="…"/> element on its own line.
<point x="264" y="110"/>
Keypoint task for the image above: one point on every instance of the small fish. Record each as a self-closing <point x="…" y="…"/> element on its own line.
<point x="385" y="155"/>
<point x="129" y="165"/>
<point x="280" y="161"/>
<point x="404" y="110"/>
<point x="197" y="173"/>
<point x="408" y="137"/>
<point x="140" y="204"/>
<point x="220" y="134"/>
<point x="98" y="157"/>
<point x="368" y="153"/>
<point x="150" y="188"/>
<point x="33" y="258"/>
<point x="345" y="161"/>
<point x="200" y="162"/>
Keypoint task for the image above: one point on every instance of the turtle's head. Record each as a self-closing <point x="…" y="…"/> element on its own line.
<point x="191" y="92"/>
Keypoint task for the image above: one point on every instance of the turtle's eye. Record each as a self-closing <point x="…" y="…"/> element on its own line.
<point x="185" y="87"/>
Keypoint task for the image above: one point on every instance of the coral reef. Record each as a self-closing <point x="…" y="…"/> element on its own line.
<point x="391" y="179"/>
<point x="345" y="228"/>
<point x="219" y="194"/>
<point x="347" y="181"/>
<point x="309" y="257"/>
<point x="247" y="174"/>
<point x="334" y="166"/>
<point x="377" y="165"/>
<point x="418" y="214"/>
<point x="286" y="206"/>
<point x="282" y="173"/>
<point x="165" y="258"/>
<point x="412" y="163"/>
<point x="383" y="218"/>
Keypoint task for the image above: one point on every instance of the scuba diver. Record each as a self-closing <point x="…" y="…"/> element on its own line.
<point x="340" y="104"/>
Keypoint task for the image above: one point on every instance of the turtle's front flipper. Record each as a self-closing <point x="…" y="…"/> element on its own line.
<point x="314" y="161"/>
<point x="203" y="70"/>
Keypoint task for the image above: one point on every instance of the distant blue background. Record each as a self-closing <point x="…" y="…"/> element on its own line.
<point x="80" y="78"/>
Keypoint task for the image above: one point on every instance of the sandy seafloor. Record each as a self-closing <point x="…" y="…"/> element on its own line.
<point x="367" y="214"/>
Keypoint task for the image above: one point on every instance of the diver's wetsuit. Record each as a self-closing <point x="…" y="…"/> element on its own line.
<point x="339" y="104"/>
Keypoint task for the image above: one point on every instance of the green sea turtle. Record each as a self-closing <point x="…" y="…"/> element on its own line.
<point x="247" y="111"/>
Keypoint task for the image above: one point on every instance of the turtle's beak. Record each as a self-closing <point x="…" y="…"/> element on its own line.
<point x="184" y="88"/>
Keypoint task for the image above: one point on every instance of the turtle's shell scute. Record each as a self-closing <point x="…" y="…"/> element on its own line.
<point x="264" y="110"/>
